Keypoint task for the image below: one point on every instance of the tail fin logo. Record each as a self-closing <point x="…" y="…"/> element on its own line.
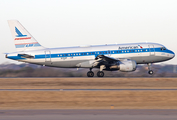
<point x="19" y="33"/>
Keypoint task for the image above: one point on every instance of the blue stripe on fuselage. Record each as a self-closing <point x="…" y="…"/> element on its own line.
<point x="96" y="53"/>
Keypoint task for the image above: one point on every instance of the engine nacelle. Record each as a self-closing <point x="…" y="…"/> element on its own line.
<point x="125" y="66"/>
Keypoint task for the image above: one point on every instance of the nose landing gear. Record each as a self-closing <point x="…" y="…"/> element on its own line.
<point x="150" y="72"/>
<point x="149" y="67"/>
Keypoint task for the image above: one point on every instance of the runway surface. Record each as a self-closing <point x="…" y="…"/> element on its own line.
<point x="88" y="89"/>
<point x="99" y="114"/>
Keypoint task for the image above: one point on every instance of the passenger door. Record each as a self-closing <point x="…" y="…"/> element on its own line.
<point x="47" y="57"/>
<point x="151" y="50"/>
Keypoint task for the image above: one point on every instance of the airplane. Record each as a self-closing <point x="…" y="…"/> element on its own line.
<point x="113" y="57"/>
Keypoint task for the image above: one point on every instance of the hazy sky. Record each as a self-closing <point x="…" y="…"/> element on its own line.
<point x="58" y="23"/>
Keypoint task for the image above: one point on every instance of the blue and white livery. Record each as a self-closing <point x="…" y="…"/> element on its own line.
<point x="122" y="57"/>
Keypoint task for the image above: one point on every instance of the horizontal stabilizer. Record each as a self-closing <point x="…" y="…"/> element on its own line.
<point x="25" y="56"/>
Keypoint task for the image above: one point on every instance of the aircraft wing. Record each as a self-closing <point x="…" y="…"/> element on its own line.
<point x="104" y="60"/>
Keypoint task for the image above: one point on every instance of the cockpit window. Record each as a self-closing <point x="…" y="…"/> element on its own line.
<point x="163" y="48"/>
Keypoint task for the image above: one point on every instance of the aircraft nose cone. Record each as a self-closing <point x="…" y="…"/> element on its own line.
<point x="172" y="54"/>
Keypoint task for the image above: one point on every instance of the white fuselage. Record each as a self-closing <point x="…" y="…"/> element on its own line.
<point x="73" y="57"/>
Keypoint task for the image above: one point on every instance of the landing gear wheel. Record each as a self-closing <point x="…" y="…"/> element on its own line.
<point x="150" y="72"/>
<point x="100" y="74"/>
<point x="90" y="74"/>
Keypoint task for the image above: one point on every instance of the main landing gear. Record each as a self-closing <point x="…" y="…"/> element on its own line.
<point x="99" y="73"/>
<point x="90" y="73"/>
<point x="149" y="67"/>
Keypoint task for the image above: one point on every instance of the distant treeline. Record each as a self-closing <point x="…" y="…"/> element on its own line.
<point x="31" y="70"/>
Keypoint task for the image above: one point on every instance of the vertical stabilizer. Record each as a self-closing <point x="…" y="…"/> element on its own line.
<point x="23" y="40"/>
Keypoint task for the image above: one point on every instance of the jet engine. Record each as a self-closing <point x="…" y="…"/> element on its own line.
<point x="125" y="66"/>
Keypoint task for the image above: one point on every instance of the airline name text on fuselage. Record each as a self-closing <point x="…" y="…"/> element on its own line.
<point x="129" y="47"/>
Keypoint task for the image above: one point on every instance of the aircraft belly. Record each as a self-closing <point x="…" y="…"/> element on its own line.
<point x="60" y="62"/>
<point x="143" y="58"/>
<point x="70" y="62"/>
<point x="149" y="59"/>
<point x="67" y="64"/>
<point x="34" y="61"/>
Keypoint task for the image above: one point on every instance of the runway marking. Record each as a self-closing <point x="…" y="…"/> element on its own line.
<point x="91" y="111"/>
<point x="88" y="89"/>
